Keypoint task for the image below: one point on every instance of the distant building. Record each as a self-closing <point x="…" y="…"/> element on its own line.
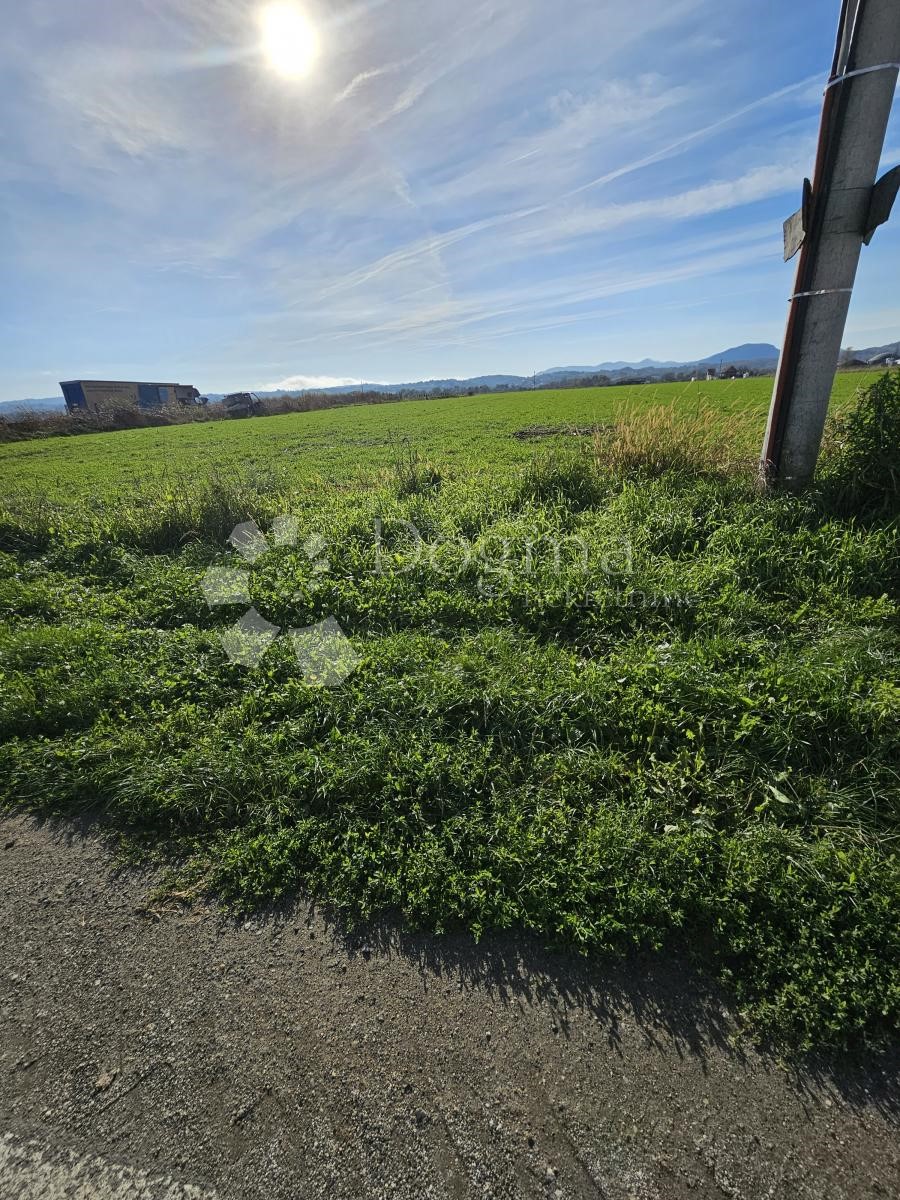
<point x="105" y="395"/>
<point x="710" y="373"/>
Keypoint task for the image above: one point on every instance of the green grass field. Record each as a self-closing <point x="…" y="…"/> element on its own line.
<point x="344" y="445"/>
<point x="602" y="690"/>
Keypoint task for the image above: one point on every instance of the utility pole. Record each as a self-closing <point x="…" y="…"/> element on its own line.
<point x="841" y="209"/>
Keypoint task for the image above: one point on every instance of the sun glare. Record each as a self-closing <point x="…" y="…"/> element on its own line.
<point x="289" y="41"/>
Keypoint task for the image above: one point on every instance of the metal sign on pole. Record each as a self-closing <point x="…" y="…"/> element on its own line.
<point x="841" y="209"/>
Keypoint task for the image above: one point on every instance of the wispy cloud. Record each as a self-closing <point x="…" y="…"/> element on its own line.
<point x="714" y="196"/>
<point x="722" y="195"/>
<point x="455" y="180"/>
<point x="445" y="317"/>
<point x="696" y="135"/>
<point x="364" y="77"/>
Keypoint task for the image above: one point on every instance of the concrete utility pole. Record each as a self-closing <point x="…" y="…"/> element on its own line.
<point x="841" y="210"/>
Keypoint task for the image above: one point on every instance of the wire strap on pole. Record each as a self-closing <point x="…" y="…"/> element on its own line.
<point x="820" y="292"/>
<point x="894" y="66"/>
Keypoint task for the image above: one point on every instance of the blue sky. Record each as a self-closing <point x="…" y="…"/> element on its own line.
<point x="454" y="189"/>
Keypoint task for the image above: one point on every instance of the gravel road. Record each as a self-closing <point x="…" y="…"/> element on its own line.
<point x="180" y="1055"/>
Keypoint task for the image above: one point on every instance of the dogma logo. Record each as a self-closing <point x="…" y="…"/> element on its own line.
<point x="324" y="652"/>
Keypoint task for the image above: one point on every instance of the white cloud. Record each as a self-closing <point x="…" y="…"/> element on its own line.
<point x="509" y="309"/>
<point x="699" y="134"/>
<point x="759" y="183"/>
<point x="364" y="77"/>
<point x="545" y="222"/>
<point x="545" y="161"/>
<point x="297" y="383"/>
<point x="451" y="174"/>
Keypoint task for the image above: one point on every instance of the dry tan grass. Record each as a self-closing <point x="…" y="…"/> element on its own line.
<point x="38" y="424"/>
<point x="691" y="436"/>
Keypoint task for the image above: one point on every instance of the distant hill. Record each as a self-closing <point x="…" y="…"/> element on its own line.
<point x="871" y="352"/>
<point x="747" y="352"/>
<point x="757" y="356"/>
<point x="605" y="367"/>
<point x="422" y="385"/>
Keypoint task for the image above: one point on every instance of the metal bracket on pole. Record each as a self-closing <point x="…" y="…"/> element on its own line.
<point x="796" y="226"/>
<point x="884" y="193"/>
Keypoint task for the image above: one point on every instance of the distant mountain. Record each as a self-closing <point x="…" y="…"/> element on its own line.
<point x="870" y="352"/>
<point x="422" y="385"/>
<point x="605" y="367"/>
<point x="747" y="352"/>
<point x="755" y="353"/>
<point x="759" y="356"/>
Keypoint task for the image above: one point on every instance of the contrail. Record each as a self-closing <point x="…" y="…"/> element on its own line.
<point x="452" y="236"/>
<point x="691" y="137"/>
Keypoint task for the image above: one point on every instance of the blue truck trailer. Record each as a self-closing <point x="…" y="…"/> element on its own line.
<point x="107" y="395"/>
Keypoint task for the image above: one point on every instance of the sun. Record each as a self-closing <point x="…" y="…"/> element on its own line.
<point x="289" y="40"/>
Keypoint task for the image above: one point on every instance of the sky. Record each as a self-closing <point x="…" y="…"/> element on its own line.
<point x="487" y="186"/>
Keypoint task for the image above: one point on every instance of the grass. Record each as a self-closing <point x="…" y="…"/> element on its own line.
<point x="607" y="692"/>
<point x="31" y="424"/>
<point x="357" y="445"/>
<point x="675" y="437"/>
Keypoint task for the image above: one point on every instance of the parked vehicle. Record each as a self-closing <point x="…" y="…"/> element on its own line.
<point x="242" y="404"/>
<point x="103" y="396"/>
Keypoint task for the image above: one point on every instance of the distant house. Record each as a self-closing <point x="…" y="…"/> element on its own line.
<point x="710" y="373"/>
<point x="105" y="395"/>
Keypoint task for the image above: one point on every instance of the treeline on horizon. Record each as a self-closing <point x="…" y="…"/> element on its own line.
<point x="25" y="425"/>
